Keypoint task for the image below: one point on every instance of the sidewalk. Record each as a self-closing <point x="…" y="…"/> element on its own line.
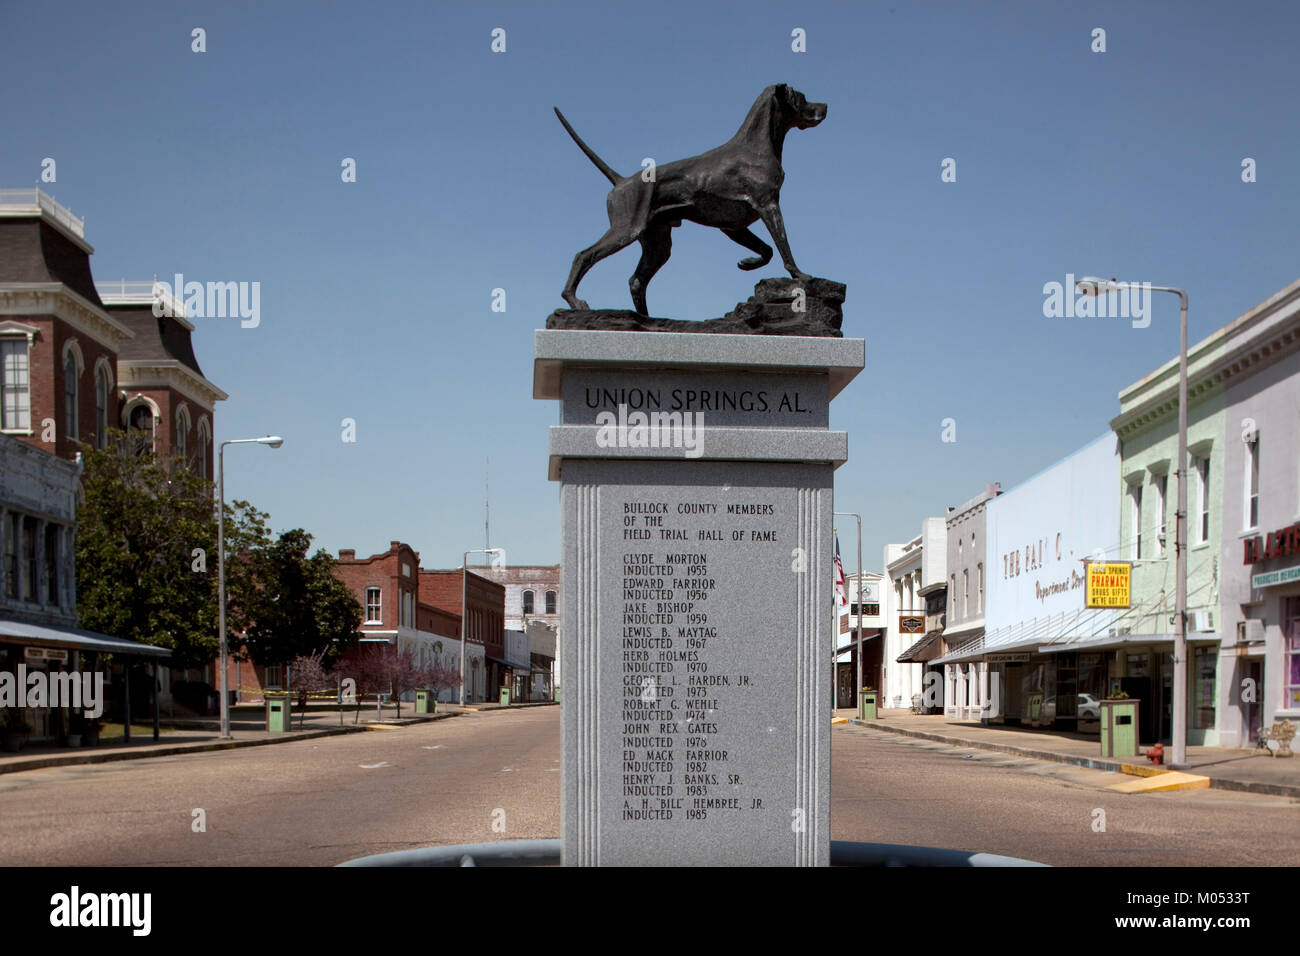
<point x="1228" y="768"/>
<point x="201" y="736"/>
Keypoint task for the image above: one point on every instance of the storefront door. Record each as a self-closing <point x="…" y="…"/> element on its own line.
<point x="1252" y="710"/>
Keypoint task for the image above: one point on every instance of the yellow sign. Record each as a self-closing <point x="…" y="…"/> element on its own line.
<point x="1108" y="585"/>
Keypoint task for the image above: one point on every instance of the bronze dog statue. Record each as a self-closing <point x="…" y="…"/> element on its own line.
<point x="729" y="187"/>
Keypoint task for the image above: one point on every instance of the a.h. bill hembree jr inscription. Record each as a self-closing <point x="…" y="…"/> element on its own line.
<point x="696" y="477"/>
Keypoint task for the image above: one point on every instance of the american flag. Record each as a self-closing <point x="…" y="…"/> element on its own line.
<point x="839" y="576"/>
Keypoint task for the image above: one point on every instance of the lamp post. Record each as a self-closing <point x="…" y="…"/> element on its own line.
<point x="858" y="518"/>
<point x="464" y="609"/>
<point x="1091" y="285"/>
<point x="275" y="442"/>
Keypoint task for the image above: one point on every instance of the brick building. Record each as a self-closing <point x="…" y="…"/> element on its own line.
<point x="532" y="605"/>
<point x="484" y="624"/>
<point x="74" y="362"/>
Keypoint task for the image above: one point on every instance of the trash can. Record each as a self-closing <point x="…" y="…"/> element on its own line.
<point x="1119" y="728"/>
<point x="505" y="696"/>
<point x="425" y="702"/>
<point x="277" y="713"/>
<point x="1034" y="708"/>
<point x="867" y="706"/>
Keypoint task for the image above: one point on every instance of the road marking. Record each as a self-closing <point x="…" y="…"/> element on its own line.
<point x="374" y="766"/>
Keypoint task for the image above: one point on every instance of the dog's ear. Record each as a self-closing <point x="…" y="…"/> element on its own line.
<point x="783" y="93"/>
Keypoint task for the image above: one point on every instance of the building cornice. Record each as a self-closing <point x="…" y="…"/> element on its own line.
<point x="56" y="299"/>
<point x="135" y="374"/>
<point x="1248" y="344"/>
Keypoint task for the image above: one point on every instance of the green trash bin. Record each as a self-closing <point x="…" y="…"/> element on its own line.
<point x="426" y="702"/>
<point x="867" y="705"/>
<point x="278" y="714"/>
<point x="505" y="696"/>
<point x="1119" y="728"/>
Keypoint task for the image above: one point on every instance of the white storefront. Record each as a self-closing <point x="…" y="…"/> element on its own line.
<point x="913" y="569"/>
<point x="1037" y="538"/>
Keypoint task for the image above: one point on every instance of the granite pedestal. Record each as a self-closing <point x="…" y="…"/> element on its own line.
<point x="696" y="476"/>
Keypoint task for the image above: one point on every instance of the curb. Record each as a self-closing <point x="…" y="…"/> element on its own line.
<point x="1091" y="763"/>
<point x="174" y="750"/>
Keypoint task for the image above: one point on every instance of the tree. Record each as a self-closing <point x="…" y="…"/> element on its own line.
<point x="308" y="675"/>
<point x="381" y="669"/>
<point x="146" y="552"/>
<point x="295" y="605"/>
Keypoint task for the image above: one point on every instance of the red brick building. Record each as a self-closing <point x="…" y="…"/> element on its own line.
<point x="484" y="623"/>
<point x="404" y="605"/>
<point x="75" y="363"/>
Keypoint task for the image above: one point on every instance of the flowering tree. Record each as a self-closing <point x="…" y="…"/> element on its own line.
<point x="308" y="673"/>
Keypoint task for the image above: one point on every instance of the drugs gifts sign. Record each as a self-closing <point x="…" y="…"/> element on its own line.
<point x="1108" y="584"/>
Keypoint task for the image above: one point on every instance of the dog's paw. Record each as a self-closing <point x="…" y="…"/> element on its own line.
<point x="753" y="262"/>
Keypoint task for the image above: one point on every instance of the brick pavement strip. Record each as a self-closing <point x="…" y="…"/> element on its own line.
<point x="108" y="753"/>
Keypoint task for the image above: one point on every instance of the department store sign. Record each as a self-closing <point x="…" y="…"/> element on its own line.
<point x="1271" y="578"/>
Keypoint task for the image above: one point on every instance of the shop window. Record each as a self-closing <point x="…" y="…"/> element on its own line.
<point x="1204" y="662"/>
<point x="274" y="677"/>
<point x="11" y="555"/>
<point x="30" y="569"/>
<point x="1291" y="629"/>
<point x="52" y="564"/>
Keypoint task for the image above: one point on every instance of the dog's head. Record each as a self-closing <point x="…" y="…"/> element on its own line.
<point x="802" y="113"/>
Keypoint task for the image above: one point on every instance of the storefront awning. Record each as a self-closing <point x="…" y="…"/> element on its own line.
<point x="1112" y="642"/>
<point x="924" y="650"/>
<point x="74" y="639"/>
<point x="1085" y="623"/>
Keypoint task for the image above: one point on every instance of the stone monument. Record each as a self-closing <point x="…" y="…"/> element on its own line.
<point x="695" y="462"/>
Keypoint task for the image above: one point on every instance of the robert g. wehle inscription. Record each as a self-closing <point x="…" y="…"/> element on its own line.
<point x="696" y="476"/>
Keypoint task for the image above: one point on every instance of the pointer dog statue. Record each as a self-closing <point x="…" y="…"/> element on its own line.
<point x="729" y="187"/>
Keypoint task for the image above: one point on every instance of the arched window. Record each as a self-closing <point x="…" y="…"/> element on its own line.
<point x="140" y="424"/>
<point x="73" y="365"/>
<point x="201" y="453"/>
<point x="182" y="431"/>
<point x="102" y="387"/>
<point x="528" y="602"/>
<point x="550" y="602"/>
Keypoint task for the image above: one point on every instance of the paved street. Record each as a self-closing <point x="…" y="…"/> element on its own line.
<point x="318" y="802"/>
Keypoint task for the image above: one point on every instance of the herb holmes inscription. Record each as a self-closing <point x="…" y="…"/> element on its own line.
<point x="679" y="761"/>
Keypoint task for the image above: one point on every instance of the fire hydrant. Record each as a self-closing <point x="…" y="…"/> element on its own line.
<point x="1157" y="753"/>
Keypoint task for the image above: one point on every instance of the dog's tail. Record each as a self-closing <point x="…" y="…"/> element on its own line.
<point x="600" y="164"/>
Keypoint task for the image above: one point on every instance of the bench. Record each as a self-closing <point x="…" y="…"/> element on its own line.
<point x="1282" y="731"/>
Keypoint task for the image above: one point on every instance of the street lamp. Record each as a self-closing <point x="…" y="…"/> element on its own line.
<point x="464" y="610"/>
<point x="858" y="518"/>
<point x="1092" y="285"/>
<point x="274" y="441"/>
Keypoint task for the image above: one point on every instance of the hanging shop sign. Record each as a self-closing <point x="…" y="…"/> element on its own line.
<point x="911" y="625"/>
<point x="1108" y="584"/>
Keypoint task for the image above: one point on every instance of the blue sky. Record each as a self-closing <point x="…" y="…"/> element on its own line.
<point x="376" y="295"/>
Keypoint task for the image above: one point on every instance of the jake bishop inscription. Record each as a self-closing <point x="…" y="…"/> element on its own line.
<point x="700" y="658"/>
